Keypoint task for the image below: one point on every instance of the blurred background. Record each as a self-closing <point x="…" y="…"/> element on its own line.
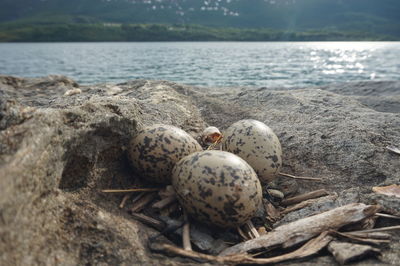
<point x="204" y="43"/>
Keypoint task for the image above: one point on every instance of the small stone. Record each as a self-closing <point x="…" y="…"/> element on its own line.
<point x="113" y="90"/>
<point x="72" y="92"/>
<point x="276" y="194"/>
<point x="262" y="230"/>
<point x="348" y="252"/>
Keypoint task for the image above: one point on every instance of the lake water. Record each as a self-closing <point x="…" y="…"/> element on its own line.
<point x="207" y="63"/>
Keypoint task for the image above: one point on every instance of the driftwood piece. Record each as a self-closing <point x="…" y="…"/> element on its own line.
<point x="142" y="202"/>
<point x="310" y="248"/>
<point x="365" y="224"/>
<point x="392" y="190"/>
<point x="347" y="252"/>
<point x="306" y="196"/>
<point x="149" y="221"/>
<point x="302" y="230"/>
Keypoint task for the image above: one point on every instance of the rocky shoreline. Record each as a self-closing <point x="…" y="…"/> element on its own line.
<point x="61" y="143"/>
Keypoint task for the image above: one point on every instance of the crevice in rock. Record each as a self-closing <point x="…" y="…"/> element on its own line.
<point x="76" y="172"/>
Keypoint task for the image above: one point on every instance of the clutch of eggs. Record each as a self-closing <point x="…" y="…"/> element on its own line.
<point x="257" y="144"/>
<point x="156" y="149"/>
<point x="217" y="187"/>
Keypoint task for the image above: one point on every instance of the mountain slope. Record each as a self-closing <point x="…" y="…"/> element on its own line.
<point x="374" y="16"/>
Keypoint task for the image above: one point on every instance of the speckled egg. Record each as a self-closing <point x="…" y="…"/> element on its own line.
<point x="217" y="187"/>
<point x="156" y="149"/>
<point x="257" y="144"/>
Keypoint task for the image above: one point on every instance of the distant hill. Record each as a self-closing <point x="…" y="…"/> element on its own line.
<point x="373" y="17"/>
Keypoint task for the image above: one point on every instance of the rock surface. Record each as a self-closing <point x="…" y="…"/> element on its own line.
<point x="58" y="150"/>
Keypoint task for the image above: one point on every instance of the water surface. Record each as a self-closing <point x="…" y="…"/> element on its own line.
<point x="207" y="63"/>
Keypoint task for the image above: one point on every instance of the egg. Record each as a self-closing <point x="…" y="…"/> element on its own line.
<point x="210" y="135"/>
<point x="156" y="149"/>
<point x="257" y="144"/>
<point x="217" y="187"/>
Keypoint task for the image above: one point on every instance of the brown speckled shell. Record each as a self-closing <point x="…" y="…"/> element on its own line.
<point x="257" y="144"/>
<point x="156" y="149"/>
<point x="217" y="187"/>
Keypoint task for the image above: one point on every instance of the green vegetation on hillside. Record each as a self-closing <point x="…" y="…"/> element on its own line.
<point x="122" y="20"/>
<point x="71" y="32"/>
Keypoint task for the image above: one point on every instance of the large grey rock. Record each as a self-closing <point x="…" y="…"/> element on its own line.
<point x="57" y="152"/>
<point x="55" y="156"/>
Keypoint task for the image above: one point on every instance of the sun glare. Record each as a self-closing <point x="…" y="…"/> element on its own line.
<point x="346" y="46"/>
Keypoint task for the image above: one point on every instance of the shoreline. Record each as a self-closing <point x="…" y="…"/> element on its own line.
<point x="100" y="32"/>
<point x="213" y="88"/>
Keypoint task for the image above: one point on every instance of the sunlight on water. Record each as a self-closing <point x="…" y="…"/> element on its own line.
<point x="346" y="46"/>
<point x="343" y="56"/>
<point x="207" y="63"/>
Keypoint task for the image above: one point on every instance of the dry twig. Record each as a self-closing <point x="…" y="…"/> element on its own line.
<point x="130" y="190"/>
<point x="373" y="235"/>
<point x="310" y="248"/>
<point x="306" y="196"/>
<point x="382" y="229"/>
<point x="273" y="214"/>
<point x="124" y="199"/>
<point x="231" y="259"/>
<point x="143" y="201"/>
<point x="393" y="149"/>
<point x="138" y="197"/>
<point x="186" y="233"/>
<point x="360" y="239"/>
<point x="301" y="177"/>
<point x="251" y="230"/>
<point x="149" y="221"/>
<point x="384" y="215"/>
<point x="164" y="202"/>
<point x="298" y="206"/>
<point x="242" y="234"/>
<point x="169" y="209"/>
<point x="212" y="146"/>
<point x="166" y="192"/>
